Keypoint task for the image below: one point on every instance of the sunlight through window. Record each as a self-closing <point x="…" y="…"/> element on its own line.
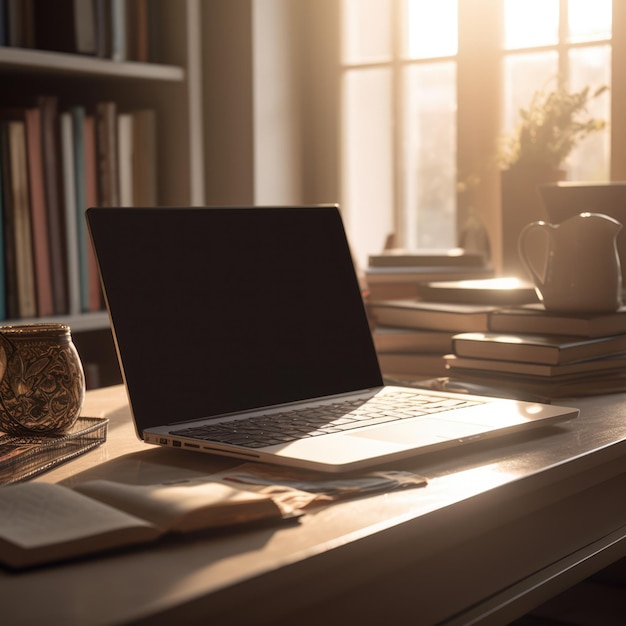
<point x="403" y="61"/>
<point x="530" y="23"/>
<point x="431" y="28"/>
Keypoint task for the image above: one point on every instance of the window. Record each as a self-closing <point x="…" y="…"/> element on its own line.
<point x="417" y="97"/>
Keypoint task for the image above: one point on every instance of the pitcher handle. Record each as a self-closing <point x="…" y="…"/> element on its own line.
<point x="533" y="227"/>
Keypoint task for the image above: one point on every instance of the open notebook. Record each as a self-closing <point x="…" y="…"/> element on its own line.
<point x="241" y="331"/>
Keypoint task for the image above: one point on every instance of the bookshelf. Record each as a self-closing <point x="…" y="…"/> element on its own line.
<point x="169" y="83"/>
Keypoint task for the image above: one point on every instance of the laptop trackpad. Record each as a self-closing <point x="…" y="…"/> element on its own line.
<point x="426" y="430"/>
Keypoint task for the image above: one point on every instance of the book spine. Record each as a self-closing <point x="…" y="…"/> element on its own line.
<point x="39" y="216"/>
<point x="54" y="200"/>
<point x="69" y="185"/>
<point x="8" y="256"/>
<point x="95" y="300"/>
<point x="78" y="124"/>
<point x="24" y="266"/>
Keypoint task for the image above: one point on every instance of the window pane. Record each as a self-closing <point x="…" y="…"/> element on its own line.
<point x="430" y="28"/>
<point x="524" y="74"/>
<point x="366" y="31"/>
<point x="530" y="23"/>
<point x="591" y="67"/>
<point x="367" y="160"/>
<point x="589" y="21"/>
<point x="429" y="176"/>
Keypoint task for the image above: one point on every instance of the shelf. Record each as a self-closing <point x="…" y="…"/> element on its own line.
<point x="77" y="323"/>
<point x="171" y="88"/>
<point x="42" y="61"/>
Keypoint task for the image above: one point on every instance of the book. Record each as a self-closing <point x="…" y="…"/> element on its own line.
<point x="125" y="157"/>
<point x="118" y="30"/>
<point x="431" y="315"/>
<point x="503" y="291"/>
<point x="103" y="28"/>
<point x="21" y="221"/>
<point x="24" y="456"/>
<point x="548" y="349"/>
<point x="85" y="36"/>
<point x="412" y="365"/>
<point x="106" y="146"/>
<point x="78" y="114"/>
<point x="453" y="257"/>
<point x="94" y="296"/>
<point x="53" y="189"/>
<point x="3" y="306"/>
<point x="385" y="283"/>
<point x="137" y="30"/>
<point x="144" y="160"/>
<point x="392" y="339"/>
<point x="39" y="213"/>
<point x="47" y="522"/>
<point x="8" y="240"/>
<point x="457" y="365"/>
<point x="20" y="23"/>
<point x="534" y="319"/>
<point x="541" y="388"/>
<point x="65" y="26"/>
<point x="71" y="224"/>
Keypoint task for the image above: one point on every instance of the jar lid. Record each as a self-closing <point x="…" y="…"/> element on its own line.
<point x="48" y="328"/>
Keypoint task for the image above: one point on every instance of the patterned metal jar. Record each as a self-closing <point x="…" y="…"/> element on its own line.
<point x="42" y="384"/>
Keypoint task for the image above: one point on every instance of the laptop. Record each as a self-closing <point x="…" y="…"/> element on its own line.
<point x="241" y="331"/>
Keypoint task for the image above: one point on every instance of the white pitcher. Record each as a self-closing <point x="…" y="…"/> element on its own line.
<point x="574" y="264"/>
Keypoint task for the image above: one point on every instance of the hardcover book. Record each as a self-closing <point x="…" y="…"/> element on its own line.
<point x="412" y="365"/>
<point x="547" y="349"/>
<point x="39" y="212"/>
<point x="453" y="257"/>
<point x="53" y="188"/>
<point x="500" y="291"/>
<point x="21" y="221"/>
<point x="457" y="365"/>
<point x="431" y="315"/>
<point x="534" y="319"/>
<point x="390" y="339"/>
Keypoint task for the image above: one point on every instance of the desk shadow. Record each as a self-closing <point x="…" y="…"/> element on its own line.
<point x="154" y="465"/>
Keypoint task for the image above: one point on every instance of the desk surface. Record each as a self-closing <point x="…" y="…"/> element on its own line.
<point x="501" y="527"/>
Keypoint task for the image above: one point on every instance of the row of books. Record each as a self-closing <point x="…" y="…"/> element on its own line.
<point x="53" y="165"/>
<point x="521" y="348"/>
<point x="121" y="30"/>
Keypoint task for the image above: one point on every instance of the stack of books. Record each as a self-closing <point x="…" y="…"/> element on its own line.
<point x="547" y="354"/>
<point x="396" y="273"/>
<point x="412" y="336"/>
<point x="482" y="333"/>
<point x="406" y="351"/>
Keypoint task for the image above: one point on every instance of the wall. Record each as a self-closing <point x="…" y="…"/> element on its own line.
<point x="252" y="102"/>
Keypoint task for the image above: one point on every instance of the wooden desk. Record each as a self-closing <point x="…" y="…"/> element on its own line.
<point x="499" y="529"/>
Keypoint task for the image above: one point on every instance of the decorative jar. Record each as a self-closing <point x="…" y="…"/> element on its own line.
<point x="42" y="384"/>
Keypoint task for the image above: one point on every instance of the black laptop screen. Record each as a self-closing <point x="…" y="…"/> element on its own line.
<point x="224" y="309"/>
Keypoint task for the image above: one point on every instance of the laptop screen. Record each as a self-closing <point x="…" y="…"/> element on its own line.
<point x="217" y="310"/>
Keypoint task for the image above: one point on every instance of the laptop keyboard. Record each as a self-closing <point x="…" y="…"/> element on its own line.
<point x="278" y="428"/>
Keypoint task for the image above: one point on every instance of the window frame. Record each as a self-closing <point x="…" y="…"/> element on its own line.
<point x="479" y="114"/>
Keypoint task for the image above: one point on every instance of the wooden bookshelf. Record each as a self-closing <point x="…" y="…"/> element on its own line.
<point x="168" y="84"/>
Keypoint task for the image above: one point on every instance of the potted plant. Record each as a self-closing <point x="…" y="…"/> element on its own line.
<point x="554" y="123"/>
<point x="550" y="128"/>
